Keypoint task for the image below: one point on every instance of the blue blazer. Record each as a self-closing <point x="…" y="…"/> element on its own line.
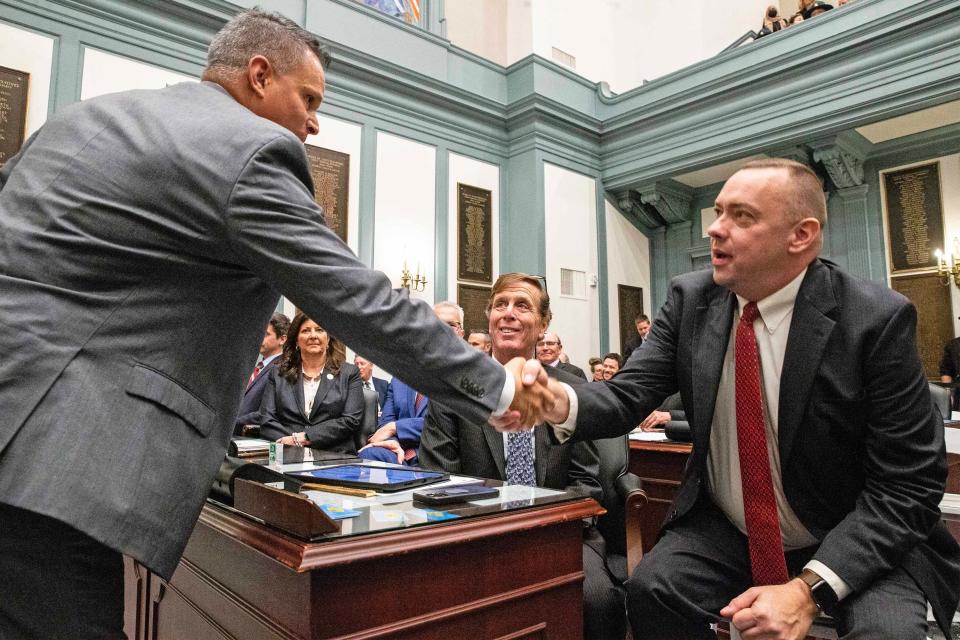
<point x="335" y="417"/>
<point x="249" y="412"/>
<point x="400" y="408"/>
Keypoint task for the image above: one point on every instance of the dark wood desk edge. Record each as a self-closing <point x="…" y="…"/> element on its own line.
<point x="304" y="556"/>
<point x="672" y="447"/>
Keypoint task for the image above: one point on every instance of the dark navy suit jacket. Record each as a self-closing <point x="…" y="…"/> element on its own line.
<point x="249" y="412"/>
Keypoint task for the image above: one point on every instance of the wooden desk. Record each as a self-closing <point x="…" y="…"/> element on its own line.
<point x="513" y="575"/>
<point x="660" y="466"/>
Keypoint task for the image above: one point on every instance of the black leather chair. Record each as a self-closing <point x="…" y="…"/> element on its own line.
<point x="941" y="399"/>
<point x="623" y="498"/>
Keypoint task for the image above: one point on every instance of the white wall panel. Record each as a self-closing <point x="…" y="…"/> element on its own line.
<point x="405" y="209"/>
<point x="570" y="227"/>
<point x="628" y="262"/>
<point x="109" y="73"/>
<point x="475" y="173"/>
<point x="32" y="53"/>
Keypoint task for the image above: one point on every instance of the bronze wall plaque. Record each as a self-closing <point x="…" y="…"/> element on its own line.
<point x="934" y="316"/>
<point x="14" y="86"/>
<point x="474" y="300"/>
<point x="474" y="234"/>
<point x="331" y="184"/>
<point x="630" y="301"/>
<point x="914" y="216"/>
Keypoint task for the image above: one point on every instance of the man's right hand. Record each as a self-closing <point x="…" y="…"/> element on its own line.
<point x="531" y="397"/>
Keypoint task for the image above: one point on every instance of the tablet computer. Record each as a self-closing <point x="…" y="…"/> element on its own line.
<point x="370" y="477"/>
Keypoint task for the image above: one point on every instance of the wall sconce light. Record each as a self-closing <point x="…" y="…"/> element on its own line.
<point x="948" y="266"/>
<point x="414" y="282"/>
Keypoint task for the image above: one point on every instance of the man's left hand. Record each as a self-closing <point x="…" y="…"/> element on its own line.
<point x="654" y="420"/>
<point x="776" y="612"/>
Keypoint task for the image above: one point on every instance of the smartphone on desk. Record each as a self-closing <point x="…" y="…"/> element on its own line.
<point x="450" y="495"/>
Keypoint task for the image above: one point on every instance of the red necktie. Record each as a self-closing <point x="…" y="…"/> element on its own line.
<point x="759" y="503"/>
<point x="418" y="401"/>
<point x="256" y="371"/>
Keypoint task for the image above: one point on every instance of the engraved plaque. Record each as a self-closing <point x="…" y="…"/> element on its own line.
<point x="13" y="111"/>
<point x="331" y="182"/>
<point x="934" y="316"/>
<point x="630" y="301"/>
<point x="474" y="221"/>
<point x="474" y="300"/>
<point x="914" y="216"/>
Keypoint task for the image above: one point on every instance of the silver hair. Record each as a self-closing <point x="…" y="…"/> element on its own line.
<point x="255" y="32"/>
<point x="451" y="305"/>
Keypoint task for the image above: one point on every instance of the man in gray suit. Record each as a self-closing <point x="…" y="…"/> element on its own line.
<point x="818" y="459"/>
<point x="146" y="237"/>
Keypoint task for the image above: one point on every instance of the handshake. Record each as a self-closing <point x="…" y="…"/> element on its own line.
<point x="537" y="398"/>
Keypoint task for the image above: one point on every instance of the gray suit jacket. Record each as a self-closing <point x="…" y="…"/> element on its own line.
<point x="457" y="445"/>
<point x="145" y="238"/>
<point x="861" y="446"/>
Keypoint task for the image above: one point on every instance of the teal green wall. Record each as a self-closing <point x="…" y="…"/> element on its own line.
<point x="800" y="93"/>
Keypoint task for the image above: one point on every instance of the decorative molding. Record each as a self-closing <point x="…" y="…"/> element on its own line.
<point x="845" y="169"/>
<point x="630" y="203"/>
<point x="670" y="199"/>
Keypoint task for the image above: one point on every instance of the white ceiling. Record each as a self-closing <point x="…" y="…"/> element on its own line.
<point x="905" y="125"/>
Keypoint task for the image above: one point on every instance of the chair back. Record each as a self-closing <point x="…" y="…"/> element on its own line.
<point x="368" y="422"/>
<point x="941" y="399"/>
<point x="614" y="455"/>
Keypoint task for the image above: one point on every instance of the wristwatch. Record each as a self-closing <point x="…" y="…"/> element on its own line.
<point x="823" y="594"/>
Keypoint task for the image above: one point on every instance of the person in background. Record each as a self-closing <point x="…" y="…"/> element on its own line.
<point x="480" y="340"/>
<point x="450" y="313"/>
<point x="596" y="368"/>
<point x="642" y="323"/>
<point x="314" y="399"/>
<point x="611" y="365"/>
<point x="950" y="369"/>
<point x="270" y="349"/>
<point x="381" y="386"/>
<point x="519" y="312"/>
<point x="549" y="350"/>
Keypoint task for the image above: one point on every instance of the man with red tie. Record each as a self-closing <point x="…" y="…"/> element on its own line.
<point x="818" y="459"/>
<point x="270" y="349"/>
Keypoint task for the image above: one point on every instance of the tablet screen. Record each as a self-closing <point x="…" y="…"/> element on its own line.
<point x="370" y="475"/>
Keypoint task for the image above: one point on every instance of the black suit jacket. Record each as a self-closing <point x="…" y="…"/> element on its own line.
<point x="861" y="446"/>
<point x="572" y="368"/>
<point x="334" y="419"/>
<point x="249" y="412"/>
<point x="451" y="443"/>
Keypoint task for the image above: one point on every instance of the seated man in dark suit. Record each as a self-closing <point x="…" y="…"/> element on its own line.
<point x="633" y="342"/>
<point x="381" y="386"/>
<point x="550" y="353"/>
<point x="818" y="458"/>
<point x="519" y="311"/>
<point x="270" y="350"/>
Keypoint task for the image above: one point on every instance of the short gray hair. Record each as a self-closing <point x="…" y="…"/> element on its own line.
<point x="269" y="34"/>
<point x="450" y="305"/>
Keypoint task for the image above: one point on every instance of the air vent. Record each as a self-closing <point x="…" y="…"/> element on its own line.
<point x="573" y="284"/>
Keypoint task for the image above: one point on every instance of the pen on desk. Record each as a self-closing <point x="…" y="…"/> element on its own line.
<point x="347" y="491"/>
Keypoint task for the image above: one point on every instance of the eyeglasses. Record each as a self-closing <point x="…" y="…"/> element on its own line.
<point x="543" y="282"/>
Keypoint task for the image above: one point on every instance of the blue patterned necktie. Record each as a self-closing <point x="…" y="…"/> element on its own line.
<point x="520" y="459"/>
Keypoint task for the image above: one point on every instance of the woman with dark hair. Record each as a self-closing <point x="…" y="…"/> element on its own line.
<point x="313" y="398"/>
